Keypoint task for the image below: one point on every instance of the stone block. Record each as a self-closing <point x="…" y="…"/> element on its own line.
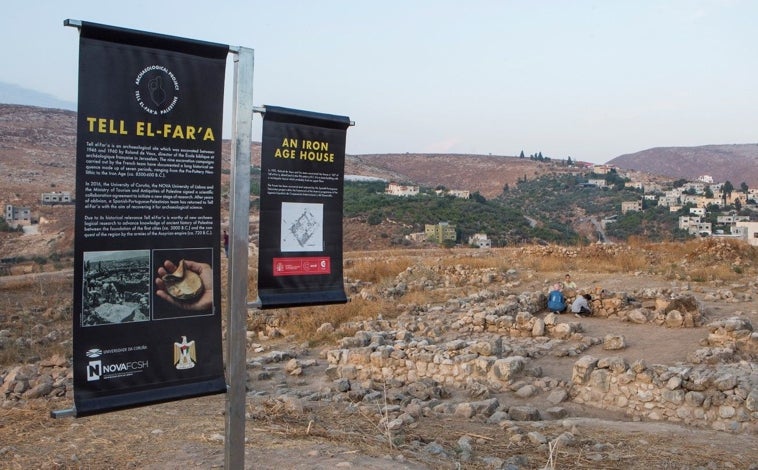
<point x="557" y="396"/>
<point x="613" y="342"/>
<point x="582" y="369"/>
<point x="507" y="368"/>
<point x="524" y="413"/>
<point x="674" y="319"/>
<point x="555" y="412"/>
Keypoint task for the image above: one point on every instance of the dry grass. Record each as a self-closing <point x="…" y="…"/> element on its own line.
<point x="376" y="269"/>
<point x="31" y="307"/>
<point x="696" y="261"/>
<point x="304" y="322"/>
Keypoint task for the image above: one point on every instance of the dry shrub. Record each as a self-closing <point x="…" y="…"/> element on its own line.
<point x="30" y="308"/>
<point x="711" y="273"/>
<point x="614" y="262"/>
<point x="547" y="263"/>
<point x="376" y="269"/>
<point x="10" y="356"/>
<point x="481" y="259"/>
<point x="423" y="297"/>
<point x="12" y="283"/>
<point x="304" y="322"/>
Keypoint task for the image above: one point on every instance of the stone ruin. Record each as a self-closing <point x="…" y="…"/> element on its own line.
<point x="484" y="344"/>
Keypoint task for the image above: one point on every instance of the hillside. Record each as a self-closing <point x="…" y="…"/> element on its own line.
<point x="736" y="163"/>
<point x="487" y="174"/>
<point x="37" y="154"/>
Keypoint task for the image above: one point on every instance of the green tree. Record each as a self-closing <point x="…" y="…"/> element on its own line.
<point x="708" y="192"/>
<point x="726" y="190"/>
<point x="521" y="155"/>
<point x="374" y="218"/>
<point x="743" y="187"/>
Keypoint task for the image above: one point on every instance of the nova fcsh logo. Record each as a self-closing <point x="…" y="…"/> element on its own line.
<point x="97" y="370"/>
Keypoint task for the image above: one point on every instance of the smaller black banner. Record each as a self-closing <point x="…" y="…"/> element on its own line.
<point x="302" y="175"/>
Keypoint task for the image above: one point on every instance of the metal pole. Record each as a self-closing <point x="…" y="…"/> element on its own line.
<point x="239" y="221"/>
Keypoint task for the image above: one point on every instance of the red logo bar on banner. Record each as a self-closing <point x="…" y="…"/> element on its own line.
<point x="302" y="266"/>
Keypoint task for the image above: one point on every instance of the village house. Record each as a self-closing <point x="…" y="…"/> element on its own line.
<point x="63" y="197"/>
<point x="631" y="206"/>
<point x="748" y="231"/>
<point x="651" y="187"/>
<point x="600" y="183"/>
<point x="480" y="240"/>
<point x="708" y="179"/>
<point x="693" y="199"/>
<point x="669" y="199"/>
<point x="395" y="189"/>
<point x="17" y="216"/>
<point x="440" y="233"/>
<point x="459" y="193"/>
<point x="732" y="219"/>
<point x="602" y="169"/>
<point x="694" y="225"/>
<point x="697" y="188"/>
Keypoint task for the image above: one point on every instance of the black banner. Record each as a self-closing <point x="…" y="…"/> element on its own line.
<point x="302" y="174"/>
<point x="147" y="317"/>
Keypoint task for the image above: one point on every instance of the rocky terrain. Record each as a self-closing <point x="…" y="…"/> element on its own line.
<point x="442" y="359"/>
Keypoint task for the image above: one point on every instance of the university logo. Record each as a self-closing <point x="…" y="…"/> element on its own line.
<point x="185" y="355"/>
<point x="94" y="370"/>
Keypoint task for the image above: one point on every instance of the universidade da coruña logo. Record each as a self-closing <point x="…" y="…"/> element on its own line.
<point x="156" y="89"/>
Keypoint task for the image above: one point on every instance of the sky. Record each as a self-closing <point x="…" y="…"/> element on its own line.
<point x="590" y="80"/>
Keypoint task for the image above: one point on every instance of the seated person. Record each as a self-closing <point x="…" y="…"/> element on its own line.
<point x="581" y="306"/>
<point x="556" y="303"/>
<point x="568" y="284"/>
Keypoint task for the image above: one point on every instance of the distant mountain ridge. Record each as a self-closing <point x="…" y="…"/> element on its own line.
<point x="736" y="163"/>
<point x="14" y="94"/>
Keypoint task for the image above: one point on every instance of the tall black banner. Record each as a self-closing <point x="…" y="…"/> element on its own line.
<point x="302" y="174"/>
<point x="147" y="319"/>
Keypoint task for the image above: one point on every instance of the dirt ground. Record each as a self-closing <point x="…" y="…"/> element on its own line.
<point x="332" y="434"/>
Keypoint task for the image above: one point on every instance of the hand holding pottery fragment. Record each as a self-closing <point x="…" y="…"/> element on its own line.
<point x="188" y="285"/>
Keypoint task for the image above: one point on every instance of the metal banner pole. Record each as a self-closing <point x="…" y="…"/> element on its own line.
<point x="239" y="221"/>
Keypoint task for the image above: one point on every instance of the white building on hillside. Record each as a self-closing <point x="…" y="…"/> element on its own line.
<point x="748" y="231"/>
<point x="480" y="240"/>
<point x="705" y="179"/>
<point x="395" y="189"/>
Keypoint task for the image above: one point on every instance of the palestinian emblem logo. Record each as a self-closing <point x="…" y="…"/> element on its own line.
<point x="185" y="356"/>
<point x="156" y="90"/>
